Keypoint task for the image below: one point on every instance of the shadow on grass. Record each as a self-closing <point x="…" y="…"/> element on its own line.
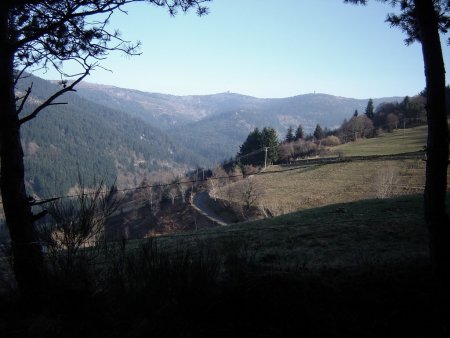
<point x="223" y="292"/>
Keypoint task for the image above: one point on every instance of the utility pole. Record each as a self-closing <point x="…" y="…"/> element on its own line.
<point x="265" y="157"/>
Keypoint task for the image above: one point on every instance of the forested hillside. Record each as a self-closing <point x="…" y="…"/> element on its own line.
<point x="220" y="135"/>
<point x="101" y="131"/>
<point x="215" y="125"/>
<point x="89" y="138"/>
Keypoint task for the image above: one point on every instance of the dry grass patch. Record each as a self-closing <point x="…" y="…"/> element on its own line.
<point x="289" y="189"/>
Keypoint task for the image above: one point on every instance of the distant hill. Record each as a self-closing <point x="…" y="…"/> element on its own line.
<point x="162" y="110"/>
<point x="94" y="140"/>
<point x="215" y="125"/>
<point x="220" y="135"/>
<point x="116" y="133"/>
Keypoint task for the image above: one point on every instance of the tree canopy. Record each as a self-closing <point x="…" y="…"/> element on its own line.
<point x="290" y="135"/>
<point x="299" y="133"/>
<point x="318" y="132"/>
<point x="369" y="109"/>
<point x="252" y="150"/>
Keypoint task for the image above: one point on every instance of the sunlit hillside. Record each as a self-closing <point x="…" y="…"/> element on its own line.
<point x="304" y="185"/>
<point x="399" y="141"/>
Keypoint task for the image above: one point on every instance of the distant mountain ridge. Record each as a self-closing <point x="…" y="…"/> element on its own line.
<point x="215" y="125"/>
<point x="122" y="134"/>
<point x="169" y="110"/>
<point x="163" y="110"/>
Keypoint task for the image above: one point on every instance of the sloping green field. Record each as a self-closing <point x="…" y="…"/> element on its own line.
<point x="399" y="141"/>
<point x="288" y="188"/>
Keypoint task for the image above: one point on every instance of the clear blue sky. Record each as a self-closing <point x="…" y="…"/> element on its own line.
<point x="267" y="48"/>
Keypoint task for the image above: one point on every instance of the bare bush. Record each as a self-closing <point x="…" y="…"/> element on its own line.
<point x="386" y="182"/>
<point x="150" y="195"/>
<point x="304" y="148"/>
<point x="286" y="152"/>
<point x="236" y="174"/>
<point x="331" y="141"/>
<point x="249" y="170"/>
<point x="171" y="192"/>
<point x="357" y="127"/>
<point x="183" y="186"/>
<point x="74" y="232"/>
<point x="219" y="179"/>
<point x="392" y="122"/>
<point x="247" y="193"/>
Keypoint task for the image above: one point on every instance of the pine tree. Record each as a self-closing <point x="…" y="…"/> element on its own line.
<point x="252" y="150"/>
<point x="290" y="135"/>
<point x="270" y="140"/>
<point x="369" y="109"/>
<point x="355" y="113"/>
<point x="318" y="132"/>
<point x="248" y="150"/>
<point x="299" y="133"/>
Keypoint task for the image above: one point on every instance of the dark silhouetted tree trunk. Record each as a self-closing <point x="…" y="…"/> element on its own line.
<point x="423" y="20"/>
<point x="25" y="247"/>
<point x="437" y="144"/>
<point x="36" y="34"/>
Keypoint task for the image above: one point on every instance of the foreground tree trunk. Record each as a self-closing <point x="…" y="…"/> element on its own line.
<point x="44" y="34"/>
<point x="437" y="144"/>
<point x="28" y="264"/>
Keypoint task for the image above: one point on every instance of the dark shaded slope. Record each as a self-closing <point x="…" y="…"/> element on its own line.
<point x="90" y="138"/>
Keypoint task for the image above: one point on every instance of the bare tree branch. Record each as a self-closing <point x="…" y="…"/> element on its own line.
<point x="24" y="99"/>
<point x="109" y="7"/>
<point x="50" y="100"/>
<point x="19" y="74"/>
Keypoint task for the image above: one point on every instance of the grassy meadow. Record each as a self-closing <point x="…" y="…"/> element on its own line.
<point x="397" y="142"/>
<point x="288" y="188"/>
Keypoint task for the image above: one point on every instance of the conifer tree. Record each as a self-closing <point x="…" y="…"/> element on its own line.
<point x="270" y="140"/>
<point x="290" y="135"/>
<point x="250" y="152"/>
<point x="299" y="133"/>
<point x="318" y="132"/>
<point x="370" y="109"/>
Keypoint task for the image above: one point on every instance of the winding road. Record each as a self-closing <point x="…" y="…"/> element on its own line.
<point x="200" y="203"/>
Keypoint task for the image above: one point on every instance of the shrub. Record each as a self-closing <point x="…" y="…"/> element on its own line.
<point x="248" y="170"/>
<point x="304" y="148"/>
<point x="331" y="141"/>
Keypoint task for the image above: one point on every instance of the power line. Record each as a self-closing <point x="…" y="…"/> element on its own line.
<point x="236" y="159"/>
<point x="162" y="185"/>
